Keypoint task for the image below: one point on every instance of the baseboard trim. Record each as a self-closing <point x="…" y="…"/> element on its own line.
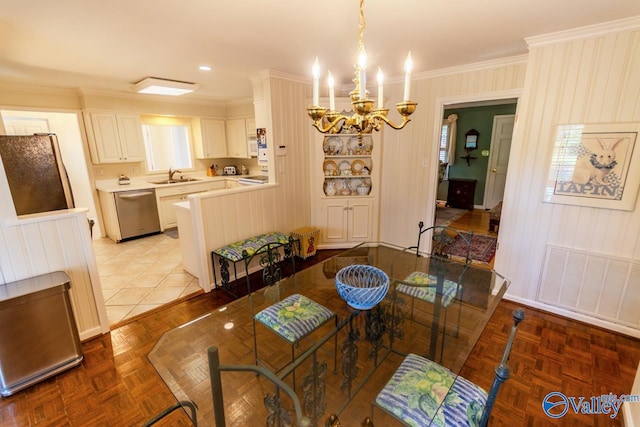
<point x="625" y="330"/>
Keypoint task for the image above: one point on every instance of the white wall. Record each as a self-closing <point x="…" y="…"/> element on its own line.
<point x="410" y="156"/>
<point x="576" y="78"/>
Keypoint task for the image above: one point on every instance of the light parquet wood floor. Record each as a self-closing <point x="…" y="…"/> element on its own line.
<point x="117" y="386"/>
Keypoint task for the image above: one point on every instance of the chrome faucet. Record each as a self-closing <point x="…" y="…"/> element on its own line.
<point x="173" y="172"/>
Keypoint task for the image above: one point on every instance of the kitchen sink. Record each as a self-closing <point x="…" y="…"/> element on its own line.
<point x="174" y="181"/>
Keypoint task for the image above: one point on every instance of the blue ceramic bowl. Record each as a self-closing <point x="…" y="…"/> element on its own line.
<point x="362" y="286"/>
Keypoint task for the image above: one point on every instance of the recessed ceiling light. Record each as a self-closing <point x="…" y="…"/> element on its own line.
<point x="204" y="68"/>
<point x="156" y="86"/>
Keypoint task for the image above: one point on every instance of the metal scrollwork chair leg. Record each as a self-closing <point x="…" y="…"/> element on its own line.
<point x="182" y="404"/>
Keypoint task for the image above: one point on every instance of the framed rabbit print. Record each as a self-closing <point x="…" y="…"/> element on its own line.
<point x="595" y="165"/>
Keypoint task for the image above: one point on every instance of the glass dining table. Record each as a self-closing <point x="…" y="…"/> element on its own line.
<point x="341" y="367"/>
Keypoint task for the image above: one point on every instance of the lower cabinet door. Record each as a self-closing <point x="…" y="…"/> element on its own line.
<point x="335" y="224"/>
<point x="168" y="219"/>
<point x="347" y="220"/>
<point x="360" y="220"/>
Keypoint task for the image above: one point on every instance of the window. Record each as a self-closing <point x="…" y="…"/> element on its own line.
<point x="443" y="143"/>
<point x="167" y="145"/>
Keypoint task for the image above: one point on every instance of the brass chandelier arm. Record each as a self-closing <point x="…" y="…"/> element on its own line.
<point x="364" y="117"/>
<point x="330" y="125"/>
<point x="371" y="122"/>
<point x="378" y="125"/>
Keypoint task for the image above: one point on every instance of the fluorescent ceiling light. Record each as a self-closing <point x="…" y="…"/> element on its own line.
<point x="204" y="68"/>
<point x="155" y="86"/>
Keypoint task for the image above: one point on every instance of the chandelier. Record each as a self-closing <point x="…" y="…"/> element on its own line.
<point x="363" y="118"/>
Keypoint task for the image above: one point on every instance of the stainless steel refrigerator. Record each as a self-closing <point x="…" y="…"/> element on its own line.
<point x="37" y="178"/>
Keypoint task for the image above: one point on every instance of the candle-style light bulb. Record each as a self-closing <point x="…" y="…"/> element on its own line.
<point x="332" y="98"/>
<point x="316" y="82"/>
<point x="362" y="76"/>
<point x="380" y="89"/>
<point x="408" y="66"/>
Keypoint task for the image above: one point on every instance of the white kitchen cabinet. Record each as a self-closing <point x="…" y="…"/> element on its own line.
<point x="237" y="138"/>
<point x="212" y="139"/>
<point x="110" y="224"/>
<point x="115" y="137"/>
<point x="347" y="220"/>
<point x="169" y="195"/>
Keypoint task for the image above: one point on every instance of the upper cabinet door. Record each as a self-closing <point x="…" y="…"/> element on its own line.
<point x="237" y="138"/>
<point x="106" y="138"/>
<point x="131" y="139"/>
<point x="115" y="137"/>
<point x="214" y="139"/>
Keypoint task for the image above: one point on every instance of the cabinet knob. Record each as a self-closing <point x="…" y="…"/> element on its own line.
<point x="494" y="170"/>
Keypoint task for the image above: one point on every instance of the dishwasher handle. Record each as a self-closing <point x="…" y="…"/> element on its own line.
<point x="136" y="195"/>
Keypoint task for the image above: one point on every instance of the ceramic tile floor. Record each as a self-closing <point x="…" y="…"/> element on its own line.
<point x="140" y="275"/>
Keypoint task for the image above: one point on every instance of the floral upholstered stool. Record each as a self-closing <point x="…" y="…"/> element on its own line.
<point x="422" y="286"/>
<point x="293" y="319"/>
<point x="421" y="393"/>
<point x="425" y="288"/>
<point x="244" y="249"/>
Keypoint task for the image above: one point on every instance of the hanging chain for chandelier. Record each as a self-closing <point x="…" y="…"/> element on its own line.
<point x="363" y="118"/>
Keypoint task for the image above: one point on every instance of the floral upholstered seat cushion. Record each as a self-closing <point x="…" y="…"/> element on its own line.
<point x="233" y="252"/>
<point x="421" y="391"/>
<point x="294" y="317"/>
<point x="426" y="288"/>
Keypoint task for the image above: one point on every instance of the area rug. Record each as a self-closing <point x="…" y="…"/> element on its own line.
<point x="483" y="248"/>
<point x="172" y="232"/>
<point x="445" y="216"/>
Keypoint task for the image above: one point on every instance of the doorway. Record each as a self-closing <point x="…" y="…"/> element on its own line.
<point x="476" y="173"/>
<point x="67" y="127"/>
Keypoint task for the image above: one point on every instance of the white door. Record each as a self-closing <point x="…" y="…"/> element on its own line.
<point x="18" y="126"/>
<point x="498" y="159"/>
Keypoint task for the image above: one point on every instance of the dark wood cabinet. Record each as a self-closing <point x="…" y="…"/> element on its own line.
<point x="461" y="193"/>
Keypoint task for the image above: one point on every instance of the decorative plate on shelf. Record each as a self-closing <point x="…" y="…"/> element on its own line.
<point x="332" y="146"/>
<point x="344" y="168"/>
<point x="357" y="166"/>
<point x="330" y="168"/>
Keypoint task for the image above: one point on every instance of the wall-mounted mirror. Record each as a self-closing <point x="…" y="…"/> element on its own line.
<point x="471" y="140"/>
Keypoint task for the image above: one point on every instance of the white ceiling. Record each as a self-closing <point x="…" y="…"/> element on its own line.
<point x="111" y="44"/>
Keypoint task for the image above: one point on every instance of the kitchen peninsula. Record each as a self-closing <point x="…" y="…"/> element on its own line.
<point x="164" y="194"/>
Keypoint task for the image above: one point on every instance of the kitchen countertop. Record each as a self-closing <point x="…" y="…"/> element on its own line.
<point x="143" y="183"/>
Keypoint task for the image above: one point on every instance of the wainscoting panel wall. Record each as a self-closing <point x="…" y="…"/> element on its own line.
<point x="59" y="242"/>
<point x="588" y="77"/>
<point x="597" y="285"/>
<point x="224" y="219"/>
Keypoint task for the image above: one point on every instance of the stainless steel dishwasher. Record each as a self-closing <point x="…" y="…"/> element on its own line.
<point x="137" y="213"/>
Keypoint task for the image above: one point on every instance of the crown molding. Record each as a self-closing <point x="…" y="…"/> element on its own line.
<point x="626" y="24"/>
<point x="286" y="76"/>
<point x="35" y="88"/>
<point x="475" y="66"/>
